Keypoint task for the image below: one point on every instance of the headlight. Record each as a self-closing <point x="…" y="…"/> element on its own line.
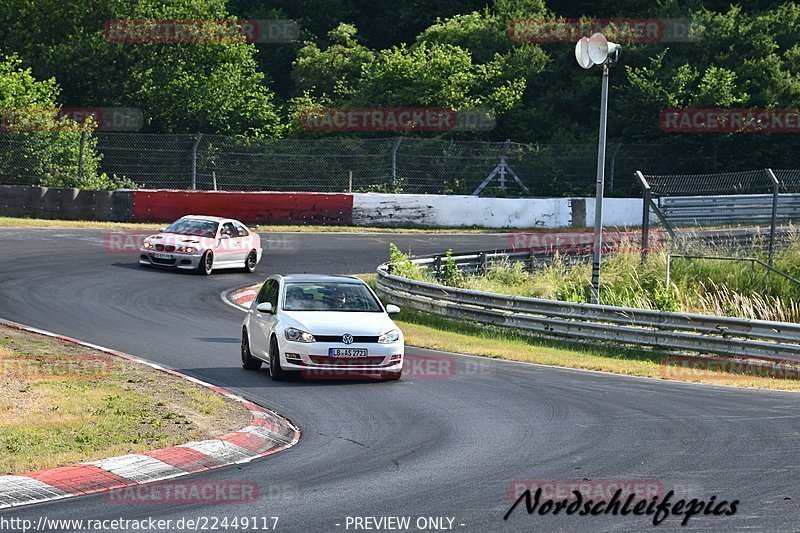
<point x="147" y="245"/>
<point x="389" y="337"/>
<point x="186" y="250"/>
<point x="297" y="335"/>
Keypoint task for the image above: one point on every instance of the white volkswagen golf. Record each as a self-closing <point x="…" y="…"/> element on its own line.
<point x="321" y="326"/>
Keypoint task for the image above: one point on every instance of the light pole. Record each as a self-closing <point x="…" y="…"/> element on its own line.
<point x="590" y="51"/>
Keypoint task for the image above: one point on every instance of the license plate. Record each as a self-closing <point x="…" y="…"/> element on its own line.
<point x="347" y="352"/>
<point x="162" y="256"/>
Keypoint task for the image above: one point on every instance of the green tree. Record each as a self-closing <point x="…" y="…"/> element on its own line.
<point x="36" y="147"/>
<point x="211" y="87"/>
<point x="334" y="70"/>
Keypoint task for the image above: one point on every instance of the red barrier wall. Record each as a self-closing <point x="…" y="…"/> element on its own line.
<point x="249" y="207"/>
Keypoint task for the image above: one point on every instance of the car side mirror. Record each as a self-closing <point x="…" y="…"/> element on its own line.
<point x="392" y="309"/>
<point x="264" y="307"/>
<point x="162" y="230"/>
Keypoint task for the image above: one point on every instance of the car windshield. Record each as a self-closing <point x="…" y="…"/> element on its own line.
<point x="346" y="297"/>
<point x="190" y="226"/>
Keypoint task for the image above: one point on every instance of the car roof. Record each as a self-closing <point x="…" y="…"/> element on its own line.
<point x="319" y="278"/>
<point x="212" y="219"/>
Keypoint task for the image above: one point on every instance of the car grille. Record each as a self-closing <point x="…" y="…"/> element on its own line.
<point x="158" y="261"/>
<point x="167" y="248"/>
<point x="346" y="361"/>
<point x="338" y="338"/>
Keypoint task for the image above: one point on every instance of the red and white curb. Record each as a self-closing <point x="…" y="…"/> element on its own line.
<point x="241" y="298"/>
<point x="267" y="433"/>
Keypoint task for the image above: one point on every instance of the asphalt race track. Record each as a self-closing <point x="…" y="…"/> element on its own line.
<point x="447" y="447"/>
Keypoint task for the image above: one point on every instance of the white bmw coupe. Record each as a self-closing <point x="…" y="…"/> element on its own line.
<point x="321" y="326"/>
<point x="203" y="244"/>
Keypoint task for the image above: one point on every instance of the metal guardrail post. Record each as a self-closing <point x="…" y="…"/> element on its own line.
<point x="194" y="161"/>
<point x="394" y="162"/>
<point x="646" y="198"/>
<point x="669" y="268"/>
<point x="437" y="267"/>
<point x="774" y="222"/>
<point x="482" y="263"/>
<point x="667" y="226"/>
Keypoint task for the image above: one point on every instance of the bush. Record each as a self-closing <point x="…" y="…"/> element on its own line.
<point x="451" y="275"/>
<point x="401" y="265"/>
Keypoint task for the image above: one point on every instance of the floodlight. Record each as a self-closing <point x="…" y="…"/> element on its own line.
<point x="582" y="53"/>
<point x="600" y="49"/>
<point x="590" y="51"/>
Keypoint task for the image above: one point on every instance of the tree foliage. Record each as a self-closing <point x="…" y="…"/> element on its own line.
<point x="450" y="53"/>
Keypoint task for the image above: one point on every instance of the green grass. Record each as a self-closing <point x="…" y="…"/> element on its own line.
<point x="61" y="404"/>
<point x="438" y="333"/>
<point x="704" y="286"/>
<point x="8" y="222"/>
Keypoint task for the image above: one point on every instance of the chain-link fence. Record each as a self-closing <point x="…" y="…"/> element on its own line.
<point x="732" y="214"/>
<point x="409" y="164"/>
<point x="34" y="158"/>
<point x="392" y="164"/>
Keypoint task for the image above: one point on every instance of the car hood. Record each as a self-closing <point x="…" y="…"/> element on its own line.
<point x="338" y="323"/>
<point x="177" y="239"/>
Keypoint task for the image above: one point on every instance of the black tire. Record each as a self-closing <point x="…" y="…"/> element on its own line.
<point x="391" y="376"/>
<point x="275" y="370"/>
<point x="206" y="263"/>
<point x="248" y="361"/>
<point x="251" y="262"/>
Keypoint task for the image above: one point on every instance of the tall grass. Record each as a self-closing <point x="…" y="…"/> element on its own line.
<point x="704" y="286"/>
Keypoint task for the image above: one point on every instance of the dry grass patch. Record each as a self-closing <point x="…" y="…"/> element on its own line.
<point x="61" y="403"/>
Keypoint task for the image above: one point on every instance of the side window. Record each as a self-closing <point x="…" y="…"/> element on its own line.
<point x="242" y="230"/>
<point x="262" y="294"/>
<point x="229" y="230"/>
<point x="268" y="293"/>
<point x="272" y="293"/>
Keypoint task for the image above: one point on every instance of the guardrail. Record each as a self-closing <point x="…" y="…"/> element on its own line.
<point x="757" y="339"/>
<point x="729" y="209"/>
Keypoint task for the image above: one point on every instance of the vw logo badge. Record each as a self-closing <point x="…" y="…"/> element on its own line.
<point x="347" y="338"/>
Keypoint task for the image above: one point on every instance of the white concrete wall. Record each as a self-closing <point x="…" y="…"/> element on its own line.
<point x="621" y="212"/>
<point x="453" y="211"/>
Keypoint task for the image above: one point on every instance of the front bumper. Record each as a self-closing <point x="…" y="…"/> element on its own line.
<point x="184" y="261"/>
<point x="310" y="357"/>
